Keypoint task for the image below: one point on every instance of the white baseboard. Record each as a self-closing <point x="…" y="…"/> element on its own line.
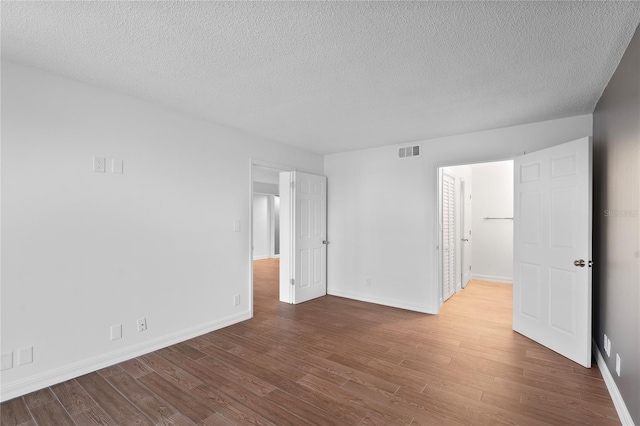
<point x="40" y="381"/>
<point x="618" y="402"/>
<point x="492" y="278"/>
<point x="261" y="257"/>
<point x="378" y="301"/>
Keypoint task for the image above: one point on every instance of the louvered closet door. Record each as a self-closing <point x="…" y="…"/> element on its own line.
<point x="448" y="236"/>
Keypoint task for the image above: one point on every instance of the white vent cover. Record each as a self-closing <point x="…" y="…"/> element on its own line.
<point x="409" y="151"/>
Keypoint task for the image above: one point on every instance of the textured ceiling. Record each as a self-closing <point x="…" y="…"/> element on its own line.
<point x="335" y="76"/>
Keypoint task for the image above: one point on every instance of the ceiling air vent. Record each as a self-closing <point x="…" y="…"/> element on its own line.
<point x="409" y="151"/>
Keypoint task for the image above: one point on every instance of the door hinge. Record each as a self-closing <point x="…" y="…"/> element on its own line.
<point x="293" y="281"/>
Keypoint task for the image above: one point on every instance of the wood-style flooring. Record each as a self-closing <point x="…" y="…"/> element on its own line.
<point x="334" y="361"/>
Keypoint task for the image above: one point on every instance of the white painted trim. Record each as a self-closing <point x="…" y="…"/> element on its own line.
<point x="30" y="384"/>
<point x="618" y="402"/>
<point x="261" y="257"/>
<point x="493" y="278"/>
<point x="378" y="301"/>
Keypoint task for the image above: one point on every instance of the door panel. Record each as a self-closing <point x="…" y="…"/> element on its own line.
<point x="310" y="234"/>
<point x="551" y="295"/>
<point x="466" y="239"/>
<point x="448" y="236"/>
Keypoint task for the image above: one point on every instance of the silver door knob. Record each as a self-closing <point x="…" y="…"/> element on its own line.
<point x="325" y="242"/>
<point x="579" y="263"/>
<point x="464" y="239"/>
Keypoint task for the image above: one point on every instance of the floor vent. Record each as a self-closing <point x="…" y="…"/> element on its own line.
<point x="409" y="151"/>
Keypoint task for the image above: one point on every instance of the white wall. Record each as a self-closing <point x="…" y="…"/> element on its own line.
<point x="382" y="211"/>
<point x="261" y="227"/>
<point x="82" y="251"/>
<point x="492" y="239"/>
<point x="616" y="236"/>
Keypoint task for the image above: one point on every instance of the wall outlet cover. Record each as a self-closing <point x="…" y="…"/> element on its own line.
<point x="142" y="324"/>
<point x="99" y="164"/>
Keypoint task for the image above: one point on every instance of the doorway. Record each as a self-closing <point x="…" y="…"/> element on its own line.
<point x="266" y="208"/>
<point x="475" y="225"/>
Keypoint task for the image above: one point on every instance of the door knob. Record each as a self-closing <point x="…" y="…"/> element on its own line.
<point x="325" y="242"/>
<point x="464" y="239"/>
<point x="579" y="263"/>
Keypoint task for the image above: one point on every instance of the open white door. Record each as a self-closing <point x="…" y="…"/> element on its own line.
<point x="303" y="263"/>
<point x="552" y="248"/>
<point x="465" y="240"/>
<point x="448" y="236"/>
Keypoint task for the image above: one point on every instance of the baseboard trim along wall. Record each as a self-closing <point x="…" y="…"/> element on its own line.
<point x="618" y="402"/>
<point x="492" y="278"/>
<point x="384" y="302"/>
<point x="21" y="387"/>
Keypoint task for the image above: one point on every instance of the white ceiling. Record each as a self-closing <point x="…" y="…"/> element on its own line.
<point x="335" y="76"/>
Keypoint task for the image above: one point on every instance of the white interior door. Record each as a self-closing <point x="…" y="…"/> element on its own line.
<point x="465" y="240"/>
<point x="552" y="248"/>
<point x="303" y="261"/>
<point x="448" y="236"/>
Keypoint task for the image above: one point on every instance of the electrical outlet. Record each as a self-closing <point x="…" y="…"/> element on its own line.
<point x="236" y="300"/>
<point x="142" y="324"/>
<point x="618" y="364"/>
<point x="367" y="282"/>
<point x="99" y="164"/>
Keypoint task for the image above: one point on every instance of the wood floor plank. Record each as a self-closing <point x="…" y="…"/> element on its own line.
<point x="94" y="416"/>
<point x="73" y="397"/>
<point x="303" y="410"/>
<point x="135" y="368"/>
<point x="170" y="371"/>
<point x="111" y="401"/>
<point x="153" y="407"/>
<point x="216" y="419"/>
<point x="336" y="361"/>
<point x="39" y="397"/>
<point x="538" y="413"/>
<point x="14" y="412"/>
<point x="228" y="407"/>
<point x="214" y="371"/>
<point x="51" y="413"/>
<point x="194" y="408"/>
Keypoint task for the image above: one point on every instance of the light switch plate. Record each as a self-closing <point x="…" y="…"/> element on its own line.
<point x="236" y="225"/>
<point x="7" y="361"/>
<point x="25" y="356"/>
<point x="99" y="164"/>
<point x="117" y="166"/>
<point x="116" y="332"/>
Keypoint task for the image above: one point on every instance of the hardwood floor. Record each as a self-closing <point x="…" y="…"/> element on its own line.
<point x="334" y="361"/>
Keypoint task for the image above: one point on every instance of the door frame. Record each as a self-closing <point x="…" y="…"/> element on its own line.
<point x="438" y="166"/>
<point x="269" y="165"/>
